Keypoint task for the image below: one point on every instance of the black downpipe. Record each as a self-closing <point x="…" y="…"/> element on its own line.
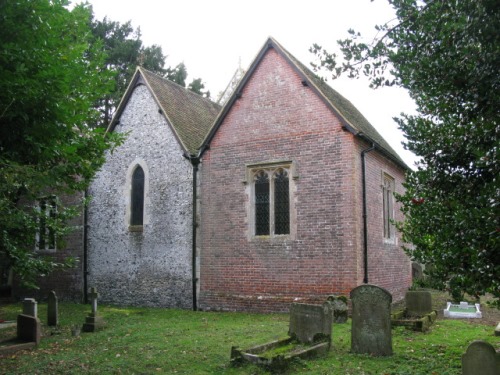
<point x="365" y="215"/>
<point x="195" y="161"/>
<point x="85" y="249"/>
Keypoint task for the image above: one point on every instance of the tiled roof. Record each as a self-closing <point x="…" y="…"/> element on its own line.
<point x="345" y="109"/>
<point x="353" y="120"/>
<point x="190" y="115"/>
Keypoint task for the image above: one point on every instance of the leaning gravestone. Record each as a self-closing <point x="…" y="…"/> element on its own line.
<point x="93" y="322"/>
<point x="30" y="307"/>
<point x="371" y="321"/>
<point x="339" y="306"/>
<point x="52" y="310"/>
<point x="416" y="271"/>
<point x="418" y="303"/>
<point x="481" y="358"/>
<point x="309" y="323"/>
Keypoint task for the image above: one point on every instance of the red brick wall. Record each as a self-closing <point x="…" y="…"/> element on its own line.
<point x="277" y="118"/>
<point x="388" y="266"/>
<point x="67" y="284"/>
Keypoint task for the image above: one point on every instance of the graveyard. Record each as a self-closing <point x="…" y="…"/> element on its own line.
<point x="155" y="340"/>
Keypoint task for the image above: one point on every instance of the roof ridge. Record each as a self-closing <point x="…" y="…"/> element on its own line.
<point x="168" y="81"/>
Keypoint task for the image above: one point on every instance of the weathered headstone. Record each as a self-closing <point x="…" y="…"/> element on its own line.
<point x="339" y="306"/>
<point x="93" y="322"/>
<point x="418" y="303"/>
<point x="29" y="328"/>
<point x="308" y="323"/>
<point x="30" y="307"/>
<point x="416" y="271"/>
<point x="52" y="309"/>
<point x="497" y="330"/>
<point x="481" y="358"/>
<point x="371" y="321"/>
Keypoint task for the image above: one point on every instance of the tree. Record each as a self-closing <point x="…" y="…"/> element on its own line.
<point x="446" y="54"/>
<point x="124" y="50"/>
<point x="51" y="76"/>
<point x="197" y="87"/>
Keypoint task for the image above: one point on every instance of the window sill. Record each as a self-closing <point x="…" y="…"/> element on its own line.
<point x="135" y="228"/>
<point x="45" y="251"/>
<point x="390" y="241"/>
<point x="271" y="238"/>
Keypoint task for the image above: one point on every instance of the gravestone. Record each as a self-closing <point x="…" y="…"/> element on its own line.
<point x="30" y="307"/>
<point x="93" y="322"/>
<point x="309" y="323"/>
<point x="416" y="271"/>
<point x="28" y="328"/>
<point x="497" y="330"/>
<point x="52" y="309"/>
<point x="339" y="306"/>
<point x="371" y="321"/>
<point x="481" y="358"/>
<point x="418" y="303"/>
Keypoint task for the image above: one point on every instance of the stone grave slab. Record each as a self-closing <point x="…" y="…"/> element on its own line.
<point x="309" y="335"/>
<point x="418" y="314"/>
<point x="462" y="310"/>
<point x="481" y="358"/>
<point x="371" y="321"/>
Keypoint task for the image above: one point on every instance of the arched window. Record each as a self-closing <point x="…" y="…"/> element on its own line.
<point x="137" y="197"/>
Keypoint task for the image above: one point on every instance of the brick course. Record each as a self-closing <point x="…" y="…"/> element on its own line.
<point x="277" y="118"/>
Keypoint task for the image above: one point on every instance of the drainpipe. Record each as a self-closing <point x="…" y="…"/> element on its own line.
<point x="85" y="248"/>
<point x="365" y="223"/>
<point x="195" y="161"/>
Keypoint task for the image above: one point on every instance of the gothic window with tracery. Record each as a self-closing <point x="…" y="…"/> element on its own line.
<point x="272" y="202"/>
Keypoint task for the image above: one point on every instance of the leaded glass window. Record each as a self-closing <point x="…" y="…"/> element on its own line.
<point x="281" y="203"/>
<point x="262" y="203"/>
<point x="46" y="235"/>
<point x="271" y="201"/>
<point x="387" y="203"/>
<point x="137" y="197"/>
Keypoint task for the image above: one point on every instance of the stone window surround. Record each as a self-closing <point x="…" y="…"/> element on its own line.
<point x="52" y="200"/>
<point x="127" y="195"/>
<point x="250" y="170"/>
<point x="388" y="183"/>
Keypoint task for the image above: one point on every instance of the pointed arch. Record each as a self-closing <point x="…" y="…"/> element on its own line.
<point x="137" y="196"/>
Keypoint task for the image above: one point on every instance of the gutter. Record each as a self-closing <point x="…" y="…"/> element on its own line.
<point x="365" y="215"/>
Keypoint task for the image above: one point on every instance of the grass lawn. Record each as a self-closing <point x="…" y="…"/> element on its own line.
<point x="165" y="341"/>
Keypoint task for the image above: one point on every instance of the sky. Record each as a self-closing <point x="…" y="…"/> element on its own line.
<point x="213" y="37"/>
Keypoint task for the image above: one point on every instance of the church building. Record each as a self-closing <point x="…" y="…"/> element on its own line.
<point x="285" y="194"/>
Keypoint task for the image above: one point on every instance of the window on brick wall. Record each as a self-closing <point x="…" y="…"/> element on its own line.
<point x="388" y="205"/>
<point x="47" y="215"/>
<point x="137" y="197"/>
<point x="270" y="211"/>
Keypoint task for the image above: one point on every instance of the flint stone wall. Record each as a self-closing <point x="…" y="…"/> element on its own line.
<point x="152" y="267"/>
